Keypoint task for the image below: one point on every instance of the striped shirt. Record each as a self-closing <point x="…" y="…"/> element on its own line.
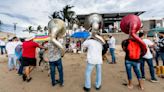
<point x="161" y="44"/>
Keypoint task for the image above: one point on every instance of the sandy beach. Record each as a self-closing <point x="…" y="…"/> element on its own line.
<point x="113" y="77"/>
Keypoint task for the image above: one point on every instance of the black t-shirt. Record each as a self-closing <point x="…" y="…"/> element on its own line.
<point x="105" y="48"/>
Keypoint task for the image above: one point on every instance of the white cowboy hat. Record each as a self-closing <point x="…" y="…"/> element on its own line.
<point x="29" y="38"/>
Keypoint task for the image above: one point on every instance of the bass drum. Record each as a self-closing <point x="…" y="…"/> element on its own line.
<point x="45" y="56"/>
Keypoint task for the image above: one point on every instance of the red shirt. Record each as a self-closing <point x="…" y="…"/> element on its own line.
<point x="29" y="48"/>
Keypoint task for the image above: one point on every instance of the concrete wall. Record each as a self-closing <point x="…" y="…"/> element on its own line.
<point x="6" y="35"/>
<point x="146" y="25"/>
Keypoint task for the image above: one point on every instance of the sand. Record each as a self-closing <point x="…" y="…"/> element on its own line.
<point x="113" y="76"/>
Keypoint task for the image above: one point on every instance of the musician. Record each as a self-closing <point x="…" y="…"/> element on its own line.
<point x="29" y="57"/>
<point x="134" y="48"/>
<point x="94" y="59"/>
<point x="55" y="49"/>
<point x="94" y="54"/>
<point x="55" y="61"/>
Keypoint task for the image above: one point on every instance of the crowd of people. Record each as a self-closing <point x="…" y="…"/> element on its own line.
<point x="22" y="58"/>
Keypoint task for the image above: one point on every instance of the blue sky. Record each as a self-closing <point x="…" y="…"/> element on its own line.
<point x="36" y="12"/>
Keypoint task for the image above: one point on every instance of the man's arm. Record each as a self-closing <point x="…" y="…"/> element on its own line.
<point x="42" y="47"/>
<point x="151" y="44"/>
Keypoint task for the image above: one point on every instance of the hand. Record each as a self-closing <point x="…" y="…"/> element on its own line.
<point x="63" y="52"/>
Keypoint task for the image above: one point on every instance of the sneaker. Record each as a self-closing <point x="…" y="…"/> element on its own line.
<point x="86" y="89"/>
<point x="154" y="81"/>
<point x="24" y="77"/>
<point x="28" y="80"/>
<point x="61" y="84"/>
<point x="53" y="84"/>
<point x="111" y="63"/>
<point x="98" y="88"/>
<point x="143" y="79"/>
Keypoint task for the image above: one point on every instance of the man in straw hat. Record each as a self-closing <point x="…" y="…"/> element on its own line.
<point x="28" y="54"/>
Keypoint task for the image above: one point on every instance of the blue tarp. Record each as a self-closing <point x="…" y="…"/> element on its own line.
<point x="80" y="35"/>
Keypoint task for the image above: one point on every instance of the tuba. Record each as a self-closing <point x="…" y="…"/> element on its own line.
<point x="94" y="23"/>
<point x="57" y="30"/>
<point x="131" y="24"/>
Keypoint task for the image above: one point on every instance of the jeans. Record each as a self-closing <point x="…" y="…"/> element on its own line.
<point x="162" y="56"/>
<point x="113" y="54"/>
<point x="20" y="71"/>
<point x="136" y="68"/>
<point x="3" y="49"/>
<point x="12" y="62"/>
<point x="53" y="65"/>
<point x="157" y="57"/>
<point x="151" y="67"/>
<point x="88" y="72"/>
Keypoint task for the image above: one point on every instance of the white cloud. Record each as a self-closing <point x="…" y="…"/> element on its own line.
<point x="36" y="12"/>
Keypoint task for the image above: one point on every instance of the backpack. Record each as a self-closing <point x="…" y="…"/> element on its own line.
<point x="134" y="50"/>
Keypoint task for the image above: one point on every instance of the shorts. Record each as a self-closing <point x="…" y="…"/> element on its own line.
<point x="67" y="45"/>
<point x="29" y="61"/>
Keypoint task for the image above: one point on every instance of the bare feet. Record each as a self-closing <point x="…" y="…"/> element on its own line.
<point x="141" y="87"/>
<point x="130" y="86"/>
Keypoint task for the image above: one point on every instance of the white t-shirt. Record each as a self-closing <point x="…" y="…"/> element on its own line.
<point x="10" y="47"/>
<point x="148" y="54"/>
<point x="112" y="42"/>
<point x="73" y="45"/>
<point x="94" y="54"/>
<point x="2" y="43"/>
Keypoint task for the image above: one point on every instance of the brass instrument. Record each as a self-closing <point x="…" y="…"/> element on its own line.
<point x="57" y="30"/>
<point x="94" y="22"/>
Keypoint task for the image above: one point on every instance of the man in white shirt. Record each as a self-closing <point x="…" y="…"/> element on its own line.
<point x="94" y="58"/>
<point x="112" y="45"/>
<point x="12" y="59"/>
<point x="148" y="57"/>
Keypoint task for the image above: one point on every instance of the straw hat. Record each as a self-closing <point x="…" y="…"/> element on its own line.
<point x="31" y="37"/>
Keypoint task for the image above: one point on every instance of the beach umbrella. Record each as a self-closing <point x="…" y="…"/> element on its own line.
<point x="158" y="29"/>
<point x="80" y="35"/>
<point x="155" y="30"/>
<point x="41" y="38"/>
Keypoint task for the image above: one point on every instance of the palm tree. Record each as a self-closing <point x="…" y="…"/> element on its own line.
<point x="67" y="13"/>
<point x="56" y="14"/>
<point x="30" y="30"/>
<point x="45" y="30"/>
<point x="39" y="28"/>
